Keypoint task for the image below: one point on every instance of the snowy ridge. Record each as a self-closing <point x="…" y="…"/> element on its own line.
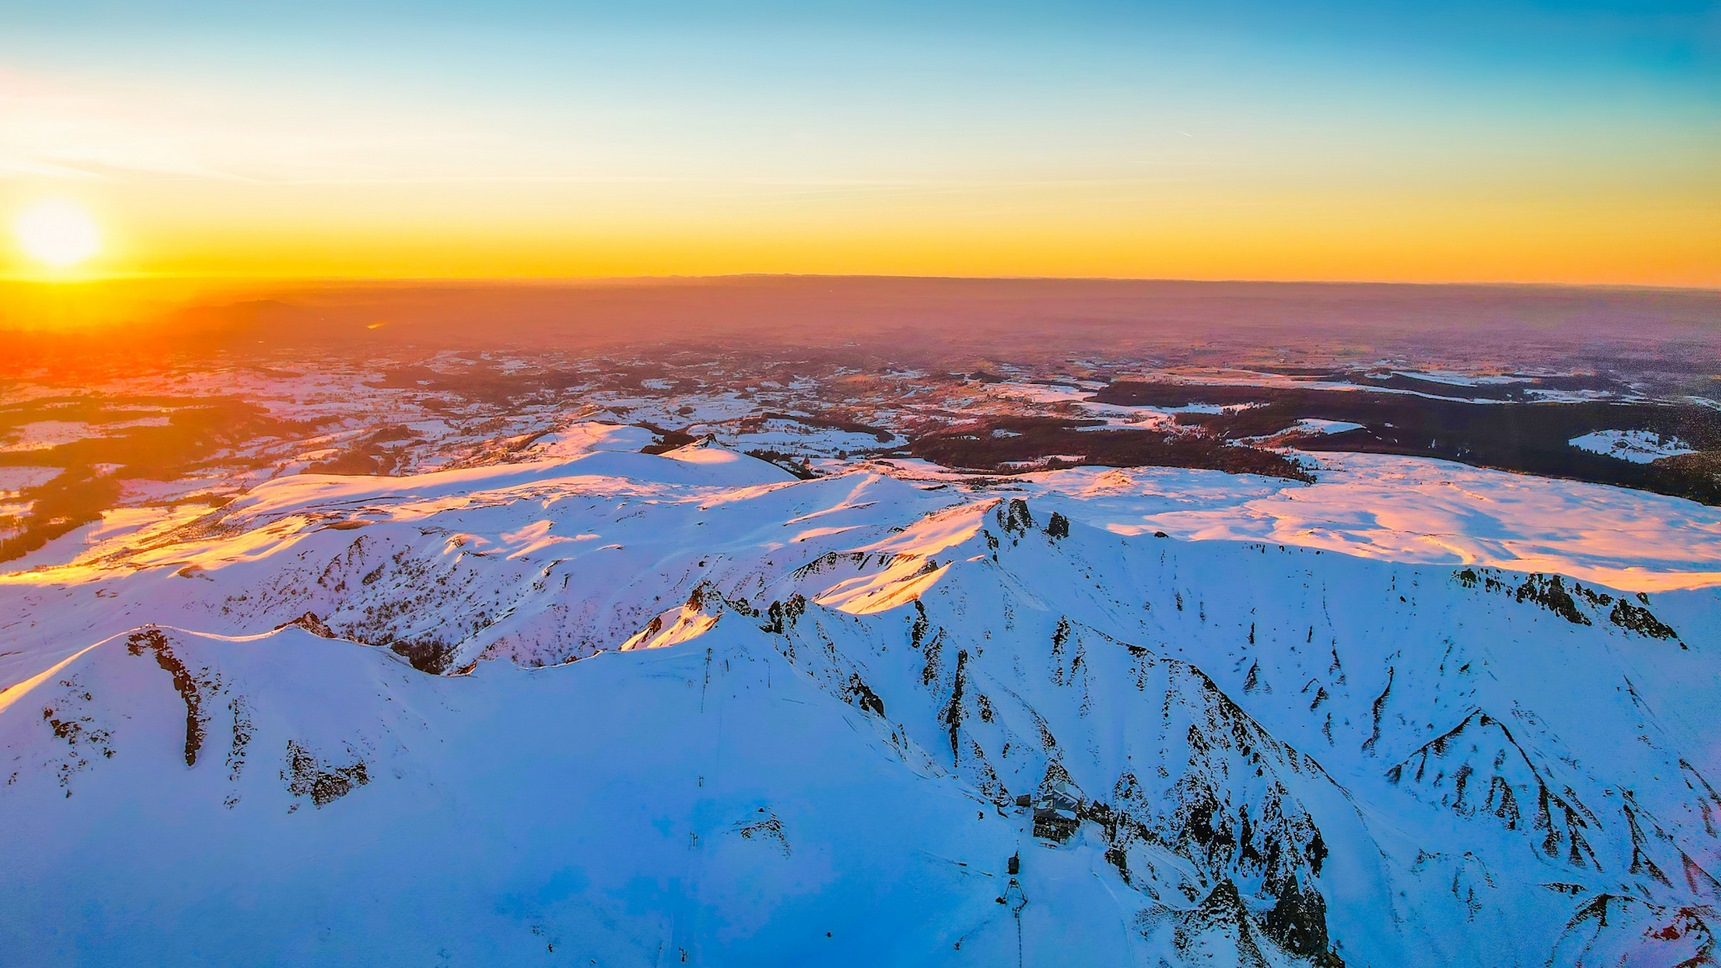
<point x="689" y="709"/>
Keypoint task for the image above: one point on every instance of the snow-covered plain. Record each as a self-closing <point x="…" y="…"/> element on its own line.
<point x="693" y="710"/>
<point x="1311" y="425"/>
<point x="1414" y="510"/>
<point x="1637" y="446"/>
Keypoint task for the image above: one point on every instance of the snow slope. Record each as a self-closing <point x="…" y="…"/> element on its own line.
<point x="612" y="708"/>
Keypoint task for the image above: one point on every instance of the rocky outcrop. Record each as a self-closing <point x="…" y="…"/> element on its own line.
<point x="309" y="775"/>
<point x="190" y="690"/>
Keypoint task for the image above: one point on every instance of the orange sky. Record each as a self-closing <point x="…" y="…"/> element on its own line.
<point x="1273" y="232"/>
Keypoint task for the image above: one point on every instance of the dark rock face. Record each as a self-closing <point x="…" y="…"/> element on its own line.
<point x="1641" y="620"/>
<point x="425" y="655"/>
<point x="1014" y="518"/>
<point x="951" y="716"/>
<point x="1297" y="922"/>
<point x="310" y="623"/>
<point x="782" y="615"/>
<point x="196" y="721"/>
<point x="860" y="694"/>
<point x="1573" y="604"/>
<point x="1549" y="591"/>
<point x="308" y="776"/>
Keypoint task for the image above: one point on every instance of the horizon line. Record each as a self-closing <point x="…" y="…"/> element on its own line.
<point x="571" y="281"/>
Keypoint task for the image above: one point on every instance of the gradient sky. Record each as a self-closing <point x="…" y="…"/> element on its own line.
<point x="1504" y="141"/>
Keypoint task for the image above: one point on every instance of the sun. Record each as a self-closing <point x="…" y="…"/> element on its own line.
<point x="57" y="233"/>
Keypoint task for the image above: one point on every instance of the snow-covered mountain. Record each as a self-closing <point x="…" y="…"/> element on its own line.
<point x="615" y="708"/>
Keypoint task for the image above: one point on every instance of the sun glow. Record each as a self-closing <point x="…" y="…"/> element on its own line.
<point x="57" y="233"/>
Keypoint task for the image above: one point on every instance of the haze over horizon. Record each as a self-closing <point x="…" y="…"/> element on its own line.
<point x="1517" y="142"/>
